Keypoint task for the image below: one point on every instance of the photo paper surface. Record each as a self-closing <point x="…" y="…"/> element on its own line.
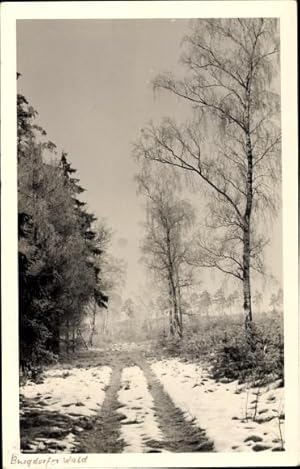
<point x="149" y="274"/>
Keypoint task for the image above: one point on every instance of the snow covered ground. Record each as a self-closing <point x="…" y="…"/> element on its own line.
<point x="225" y="410"/>
<point x="67" y="402"/>
<point x="137" y="405"/>
<point x="74" y="393"/>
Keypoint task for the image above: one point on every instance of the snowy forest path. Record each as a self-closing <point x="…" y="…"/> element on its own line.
<point x="178" y="434"/>
<point x="136" y="413"/>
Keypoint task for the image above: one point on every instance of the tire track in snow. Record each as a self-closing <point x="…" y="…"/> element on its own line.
<point x="179" y="434"/>
<point x="226" y="410"/>
<point x="141" y="418"/>
<point x="105" y="434"/>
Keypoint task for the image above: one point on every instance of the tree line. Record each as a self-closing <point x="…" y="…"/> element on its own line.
<point x="62" y="250"/>
<point x="228" y="152"/>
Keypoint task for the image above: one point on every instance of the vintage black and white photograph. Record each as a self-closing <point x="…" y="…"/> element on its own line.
<point x="150" y="246"/>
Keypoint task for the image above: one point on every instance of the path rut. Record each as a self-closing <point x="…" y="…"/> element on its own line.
<point x="105" y="436"/>
<point x="180" y="435"/>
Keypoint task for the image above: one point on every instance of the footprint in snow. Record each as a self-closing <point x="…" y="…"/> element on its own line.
<point x="254" y="438"/>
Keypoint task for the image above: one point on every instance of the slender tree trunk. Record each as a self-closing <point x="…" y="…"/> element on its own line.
<point x="247" y="226"/>
<point x="171" y="321"/>
<point x="73" y="337"/>
<point x="82" y="338"/>
<point x="104" y="324"/>
<point x="93" y="325"/>
<point x="68" y="336"/>
<point x="56" y="338"/>
<point x="179" y="305"/>
<point x="176" y="319"/>
<point x="246" y="284"/>
<point x="173" y="291"/>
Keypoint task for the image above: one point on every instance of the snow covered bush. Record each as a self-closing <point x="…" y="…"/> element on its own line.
<point x="234" y="352"/>
<point x="256" y="353"/>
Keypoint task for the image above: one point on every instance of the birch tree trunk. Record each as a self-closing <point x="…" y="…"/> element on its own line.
<point x="246" y="282"/>
<point x="179" y="303"/>
<point x="248" y="211"/>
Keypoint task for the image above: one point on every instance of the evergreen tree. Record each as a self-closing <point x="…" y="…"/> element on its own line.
<point x="59" y="250"/>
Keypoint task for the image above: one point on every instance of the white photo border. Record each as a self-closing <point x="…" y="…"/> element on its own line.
<point x="285" y="10"/>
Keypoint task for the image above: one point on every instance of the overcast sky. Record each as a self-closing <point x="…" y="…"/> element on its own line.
<point x="90" y="81"/>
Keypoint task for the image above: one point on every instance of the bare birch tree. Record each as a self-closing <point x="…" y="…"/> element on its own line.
<point x="166" y="242"/>
<point x="232" y="143"/>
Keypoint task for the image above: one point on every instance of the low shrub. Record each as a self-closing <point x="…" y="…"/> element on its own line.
<point x="256" y="353"/>
<point x="251" y="353"/>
